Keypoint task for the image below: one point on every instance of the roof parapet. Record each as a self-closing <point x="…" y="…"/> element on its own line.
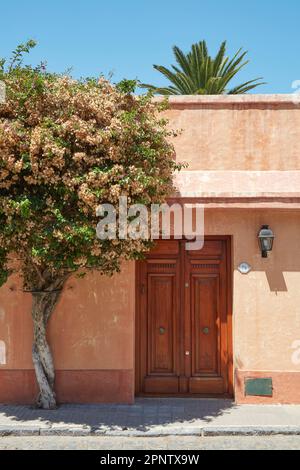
<point x="195" y="101"/>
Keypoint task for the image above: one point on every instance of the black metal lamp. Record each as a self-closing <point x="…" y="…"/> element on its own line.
<point x="266" y="240"/>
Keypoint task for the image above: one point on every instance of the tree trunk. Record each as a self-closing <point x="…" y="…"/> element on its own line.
<point x="43" y="304"/>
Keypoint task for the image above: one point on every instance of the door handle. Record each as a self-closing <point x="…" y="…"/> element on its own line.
<point x="205" y="331"/>
<point x="162" y="330"/>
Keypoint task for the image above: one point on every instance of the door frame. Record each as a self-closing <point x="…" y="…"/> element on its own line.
<point x="229" y="266"/>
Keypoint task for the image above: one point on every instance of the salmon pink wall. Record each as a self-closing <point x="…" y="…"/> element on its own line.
<point x="249" y="132"/>
<point x="92" y="330"/>
<point x="265" y="301"/>
<point x="93" y="326"/>
<point x="266" y="312"/>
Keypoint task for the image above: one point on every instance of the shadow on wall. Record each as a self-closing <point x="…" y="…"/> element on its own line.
<point x="282" y="261"/>
<point x="277" y="269"/>
<point x="274" y="273"/>
<point x="276" y="279"/>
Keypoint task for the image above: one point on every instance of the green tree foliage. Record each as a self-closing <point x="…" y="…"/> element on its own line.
<point x="67" y="146"/>
<point x="197" y="73"/>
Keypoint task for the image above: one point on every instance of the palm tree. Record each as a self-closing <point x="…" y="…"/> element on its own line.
<point x="197" y="73"/>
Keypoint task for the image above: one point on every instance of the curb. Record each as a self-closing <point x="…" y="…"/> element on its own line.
<point x="205" y="431"/>
<point x="251" y="430"/>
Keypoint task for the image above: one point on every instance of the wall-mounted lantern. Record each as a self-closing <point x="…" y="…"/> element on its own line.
<point x="266" y="240"/>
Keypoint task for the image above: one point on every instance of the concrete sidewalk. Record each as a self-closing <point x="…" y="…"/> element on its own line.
<point x="153" y="417"/>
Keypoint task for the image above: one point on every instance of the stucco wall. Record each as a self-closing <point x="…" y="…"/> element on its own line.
<point x="93" y="326"/>
<point x="237" y="133"/>
<point x="92" y="330"/>
<point x="266" y="302"/>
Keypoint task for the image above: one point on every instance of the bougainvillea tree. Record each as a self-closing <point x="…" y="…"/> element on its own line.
<point x="67" y="146"/>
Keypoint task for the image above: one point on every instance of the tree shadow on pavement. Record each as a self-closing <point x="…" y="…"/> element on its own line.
<point x="144" y="414"/>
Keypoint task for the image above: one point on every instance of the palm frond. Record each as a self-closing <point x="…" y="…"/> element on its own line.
<point x="182" y="60"/>
<point x="198" y="73"/>
<point x="234" y="62"/>
<point x="247" y="86"/>
<point x="219" y="59"/>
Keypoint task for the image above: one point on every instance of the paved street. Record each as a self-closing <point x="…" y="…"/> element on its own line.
<point x="154" y="443"/>
<point x="152" y="417"/>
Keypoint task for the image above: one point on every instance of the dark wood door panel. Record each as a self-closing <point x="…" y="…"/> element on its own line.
<point x="162" y="341"/>
<point x="205" y="325"/>
<point x="161" y="385"/>
<point x="207" y="313"/>
<point x="165" y="247"/>
<point x="159" y="361"/>
<point x="183" y="320"/>
<point x="213" y="248"/>
<point x="207" y="386"/>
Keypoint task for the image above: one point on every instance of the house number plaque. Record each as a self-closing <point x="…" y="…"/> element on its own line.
<point x="244" y="268"/>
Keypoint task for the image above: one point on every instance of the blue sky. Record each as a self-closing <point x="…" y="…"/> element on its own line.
<point x="127" y="36"/>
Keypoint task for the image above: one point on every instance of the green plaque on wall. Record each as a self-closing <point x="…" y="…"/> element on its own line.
<point x="259" y="387"/>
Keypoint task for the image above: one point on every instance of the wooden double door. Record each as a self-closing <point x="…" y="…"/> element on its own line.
<point x="183" y="330"/>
